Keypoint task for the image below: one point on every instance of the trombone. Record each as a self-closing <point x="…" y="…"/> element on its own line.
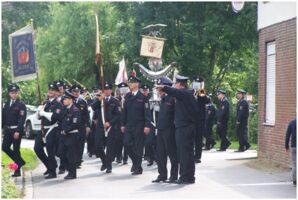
<point x="87" y="95"/>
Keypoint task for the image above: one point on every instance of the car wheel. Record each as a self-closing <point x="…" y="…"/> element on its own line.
<point x="28" y="130"/>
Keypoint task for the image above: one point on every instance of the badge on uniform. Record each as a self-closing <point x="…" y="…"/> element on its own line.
<point x="22" y="112"/>
<point x="146" y="105"/>
<point x="82" y="108"/>
<point x="240" y="107"/>
<point x="209" y="112"/>
<point x="58" y="111"/>
<point x="223" y="107"/>
<point x="75" y="120"/>
<point x="119" y="108"/>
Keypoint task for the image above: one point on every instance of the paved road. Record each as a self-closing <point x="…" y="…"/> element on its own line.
<point x="220" y="175"/>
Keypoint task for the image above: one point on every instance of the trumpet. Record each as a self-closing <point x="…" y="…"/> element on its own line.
<point x="201" y="92"/>
<point x="87" y="95"/>
<point x="199" y="88"/>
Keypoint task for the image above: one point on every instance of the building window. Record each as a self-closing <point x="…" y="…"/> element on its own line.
<point x="270" y="83"/>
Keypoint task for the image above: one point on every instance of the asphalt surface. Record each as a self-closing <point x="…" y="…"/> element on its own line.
<point x="220" y="175"/>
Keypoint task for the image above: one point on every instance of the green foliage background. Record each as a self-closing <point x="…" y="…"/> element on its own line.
<point x="205" y="38"/>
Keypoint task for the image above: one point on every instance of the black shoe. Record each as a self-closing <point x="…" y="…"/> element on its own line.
<point x="90" y="155"/>
<point x="221" y="150"/>
<point x="159" y="179"/>
<point x="46" y="173"/>
<point x="198" y="160"/>
<point x="294" y="183"/>
<point x="118" y="161"/>
<point x="228" y="145"/>
<point x="79" y="167"/>
<point x="247" y="147"/>
<point x="109" y="171"/>
<point x="17" y="173"/>
<point x="51" y="175"/>
<point x="212" y="145"/>
<point x="69" y="176"/>
<point x="103" y="167"/>
<point x="82" y="161"/>
<point x="171" y="180"/>
<point x="150" y="163"/>
<point x="132" y="169"/>
<point x="137" y="172"/>
<point x="124" y="162"/>
<point x="180" y="181"/>
<point x="61" y="171"/>
<point x="239" y="150"/>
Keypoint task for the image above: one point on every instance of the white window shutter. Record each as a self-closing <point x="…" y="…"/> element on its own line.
<point x="270" y="83"/>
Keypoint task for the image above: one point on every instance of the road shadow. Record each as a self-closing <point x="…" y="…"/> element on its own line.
<point x="118" y="177"/>
<point x="160" y="187"/>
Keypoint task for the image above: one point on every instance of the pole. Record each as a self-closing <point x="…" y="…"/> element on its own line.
<point x="37" y="69"/>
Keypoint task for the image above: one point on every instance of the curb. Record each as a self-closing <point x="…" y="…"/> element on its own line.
<point x="25" y="184"/>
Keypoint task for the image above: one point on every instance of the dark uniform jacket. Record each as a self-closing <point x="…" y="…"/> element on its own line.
<point x="14" y="115"/>
<point x="82" y="105"/>
<point x="291" y="134"/>
<point x="112" y="111"/>
<point x="166" y="113"/>
<point x="136" y="110"/>
<point x="242" y="112"/>
<point x="71" y="119"/>
<point x="201" y="102"/>
<point x="54" y="107"/>
<point x="222" y="114"/>
<point x="186" y="110"/>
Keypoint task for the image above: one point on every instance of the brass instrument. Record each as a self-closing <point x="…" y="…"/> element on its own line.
<point x="68" y="82"/>
<point x="199" y="88"/>
<point x="87" y="95"/>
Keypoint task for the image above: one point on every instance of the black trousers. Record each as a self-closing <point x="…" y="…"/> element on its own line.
<point x="185" y="143"/>
<point x="59" y="154"/>
<point x="67" y="150"/>
<point x="166" y="147"/>
<point x="241" y="132"/>
<point x="90" y="142"/>
<point x="134" y="144"/>
<point x="81" y="137"/>
<point x="110" y="148"/>
<point x="199" y="138"/>
<point x="49" y="159"/>
<point x="208" y="133"/>
<point x="8" y="140"/>
<point x="150" y="145"/>
<point x="222" y="129"/>
<point x="99" y="144"/>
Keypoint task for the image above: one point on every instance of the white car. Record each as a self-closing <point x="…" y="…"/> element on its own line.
<point x="33" y="124"/>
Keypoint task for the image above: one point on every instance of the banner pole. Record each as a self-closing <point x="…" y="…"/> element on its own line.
<point x="37" y="68"/>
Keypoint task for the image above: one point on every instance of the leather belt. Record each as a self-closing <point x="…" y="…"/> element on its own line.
<point x="73" y="131"/>
<point x="12" y="127"/>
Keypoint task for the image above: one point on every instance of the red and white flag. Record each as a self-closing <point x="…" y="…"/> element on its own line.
<point x="122" y="73"/>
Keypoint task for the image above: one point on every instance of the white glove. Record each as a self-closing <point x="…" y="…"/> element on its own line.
<point x="47" y="115"/>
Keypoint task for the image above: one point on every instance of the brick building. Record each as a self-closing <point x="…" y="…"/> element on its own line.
<point x="277" y="77"/>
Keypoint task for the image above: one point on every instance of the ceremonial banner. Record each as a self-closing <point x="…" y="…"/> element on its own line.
<point x="22" y="54"/>
<point x="122" y="74"/>
<point x="152" y="46"/>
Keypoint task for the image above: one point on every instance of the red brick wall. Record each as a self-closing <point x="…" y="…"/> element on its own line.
<point x="271" y="138"/>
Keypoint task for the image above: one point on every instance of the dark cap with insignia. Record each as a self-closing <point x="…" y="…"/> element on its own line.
<point x="59" y="83"/>
<point x="13" y="88"/>
<point x="53" y="86"/>
<point x="96" y="87"/>
<point x="108" y="86"/>
<point x="68" y="95"/>
<point x="122" y="85"/>
<point x="164" y="81"/>
<point x="181" y="79"/>
<point x="198" y="79"/>
<point x="241" y="91"/>
<point x="134" y="79"/>
<point x="145" y="87"/>
<point x="221" y="91"/>
<point x="75" y="88"/>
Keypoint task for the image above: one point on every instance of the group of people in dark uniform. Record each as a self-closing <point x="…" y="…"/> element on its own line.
<point x="124" y="125"/>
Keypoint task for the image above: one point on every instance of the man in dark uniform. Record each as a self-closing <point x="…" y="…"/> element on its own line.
<point x="210" y="118"/>
<point x="186" y="117"/>
<point x="135" y="123"/>
<point x="69" y="130"/>
<point x="81" y="104"/>
<point x="222" y="116"/>
<point x="90" y="136"/>
<point x="150" y="138"/>
<point x="119" y="147"/>
<point x="242" y="120"/>
<point x="50" y="114"/>
<point x="13" y="118"/>
<point x="165" y="140"/>
<point x="110" y="127"/>
<point x="202" y="100"/>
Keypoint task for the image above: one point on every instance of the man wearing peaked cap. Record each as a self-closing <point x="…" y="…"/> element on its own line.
<point x="13" y="118"/>
<point x="165" y="81"/>
<point x="222" y="116"/>
<point x="186" y="117"/>
<point x="242" y="121"/>
<point x="135" y="123"/>
<point x="82" y="105"/>
<point x="50" y="115"/>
